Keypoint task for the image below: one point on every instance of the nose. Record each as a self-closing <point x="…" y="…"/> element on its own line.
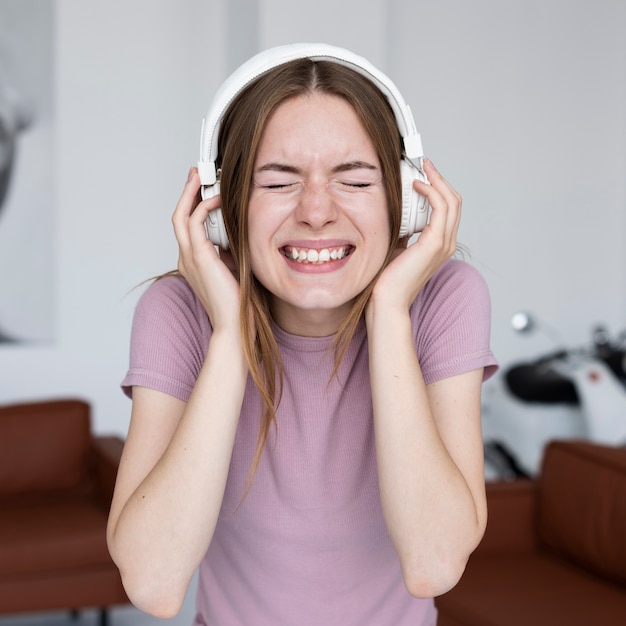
<point x="316" y="206"/>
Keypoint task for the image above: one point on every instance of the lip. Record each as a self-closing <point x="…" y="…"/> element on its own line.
<point x="317" y="244"/>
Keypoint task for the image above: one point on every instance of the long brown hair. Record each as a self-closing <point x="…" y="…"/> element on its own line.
<point x="240" y="134"/>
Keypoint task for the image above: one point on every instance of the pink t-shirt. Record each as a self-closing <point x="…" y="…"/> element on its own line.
<point x="308" y="545"/>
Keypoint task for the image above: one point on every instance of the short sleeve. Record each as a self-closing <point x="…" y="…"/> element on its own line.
<point x="451" y="320"/>
<point x="169" y="339"/>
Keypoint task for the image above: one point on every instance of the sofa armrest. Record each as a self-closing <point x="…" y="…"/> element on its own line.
<point x="582" y="506"/>
<point x="512" y="517"/>
<point x="107" y="454"/>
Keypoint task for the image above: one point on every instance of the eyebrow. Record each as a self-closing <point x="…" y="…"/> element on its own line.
<point x="342" y="167"/>
<point x="354" y="165"/>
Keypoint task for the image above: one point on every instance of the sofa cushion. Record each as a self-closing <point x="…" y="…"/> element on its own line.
<point x="525" y="589"/>
<point x="582" y="506"/>
<point x="53" y="536"/>
<point x="512" y="517"/>
<point x="43" y="446"/>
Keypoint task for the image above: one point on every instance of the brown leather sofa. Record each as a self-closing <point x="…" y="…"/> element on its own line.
<point x="56" y="484"/>
<point x="555" y="548"/>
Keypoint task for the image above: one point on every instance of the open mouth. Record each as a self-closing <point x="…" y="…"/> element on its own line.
<point x="315" y="256"/>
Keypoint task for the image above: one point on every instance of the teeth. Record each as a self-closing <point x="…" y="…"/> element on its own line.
<point x="318" y="256"/>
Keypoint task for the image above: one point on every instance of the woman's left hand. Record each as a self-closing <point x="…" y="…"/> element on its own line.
<point x="428" y="441"/>
<point x="413" y="266"/>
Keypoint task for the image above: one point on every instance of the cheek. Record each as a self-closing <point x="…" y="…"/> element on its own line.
<point x="255" y="249"/>
<point x="379" y="255"/>
<point x="375" y="223"/>
<point x="260" y="242"/>
<point x="255" y="225"/>
<point x="266" y="218"/>
<point x="383" y="236"/>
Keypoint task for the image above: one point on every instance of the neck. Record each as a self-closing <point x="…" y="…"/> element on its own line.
<point x="311" y="322"/>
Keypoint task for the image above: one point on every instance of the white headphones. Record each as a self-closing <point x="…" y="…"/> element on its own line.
<point x="414" y="205"/>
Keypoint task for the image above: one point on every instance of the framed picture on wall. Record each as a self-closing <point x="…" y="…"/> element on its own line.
<point x="27" y="172"/>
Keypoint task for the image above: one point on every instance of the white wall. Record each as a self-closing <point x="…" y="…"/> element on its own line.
<point x="133" y="80"/>
<point x="521" y="104"/>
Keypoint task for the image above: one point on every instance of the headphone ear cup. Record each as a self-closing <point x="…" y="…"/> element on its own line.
<point x="214" y="223"/>
<point x="215" y="229"/>
<point x="414" y="205"/>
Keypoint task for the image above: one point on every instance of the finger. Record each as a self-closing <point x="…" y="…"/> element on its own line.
<point x="191" y="212"/>
<point x="440" y="183"/>
<point x="197" y="228"/>
<point x="440" y="207"/>
<point x="445" y="205"/>
<point x="185" y="207"/>
<point x="451" y="197"/>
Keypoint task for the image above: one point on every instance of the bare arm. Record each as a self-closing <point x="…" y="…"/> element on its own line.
<point x="428" y="438"/>
<point x="175" y="463"/>
<point x="429" y="454"/>
<point x="171" y="482"/>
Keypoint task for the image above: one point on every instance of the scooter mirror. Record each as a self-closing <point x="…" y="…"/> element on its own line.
<point x="523" y="322"/>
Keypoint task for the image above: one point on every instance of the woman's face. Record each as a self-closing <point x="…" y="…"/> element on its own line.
<point x="318" y="225"/>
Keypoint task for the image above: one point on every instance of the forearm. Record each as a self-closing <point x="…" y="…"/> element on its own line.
<point x="167" y="523"/>
<point x="430" y="511"/>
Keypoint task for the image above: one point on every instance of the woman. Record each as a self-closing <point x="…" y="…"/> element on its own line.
<point x="305" y="423"/>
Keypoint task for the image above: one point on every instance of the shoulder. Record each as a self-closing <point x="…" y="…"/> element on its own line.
<point x="456" y="285"/>
<point x="170" y="314"/>
<point x="168" y="288"/>
<point x="171" y="297"/>
<point x="169" y="338"/>
<point x="451" y="320"/>
<point x="455" y="275"/>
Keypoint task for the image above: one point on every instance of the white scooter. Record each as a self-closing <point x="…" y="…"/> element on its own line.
<point x="575" y="393"/>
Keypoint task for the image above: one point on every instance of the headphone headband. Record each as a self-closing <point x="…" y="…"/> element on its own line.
<point x="274" y="57"/>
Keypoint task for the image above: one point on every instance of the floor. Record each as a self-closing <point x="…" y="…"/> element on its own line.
<point x="121" y="616"/>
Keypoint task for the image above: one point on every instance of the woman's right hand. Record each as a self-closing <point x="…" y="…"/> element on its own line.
<point x="177" y="455"/>
<point x="209" y="272"/>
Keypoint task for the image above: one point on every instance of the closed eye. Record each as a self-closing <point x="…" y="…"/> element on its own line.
<point x="358" y="185"/>
<point x="355" y="185"/>
<point x="277" y="186"/>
